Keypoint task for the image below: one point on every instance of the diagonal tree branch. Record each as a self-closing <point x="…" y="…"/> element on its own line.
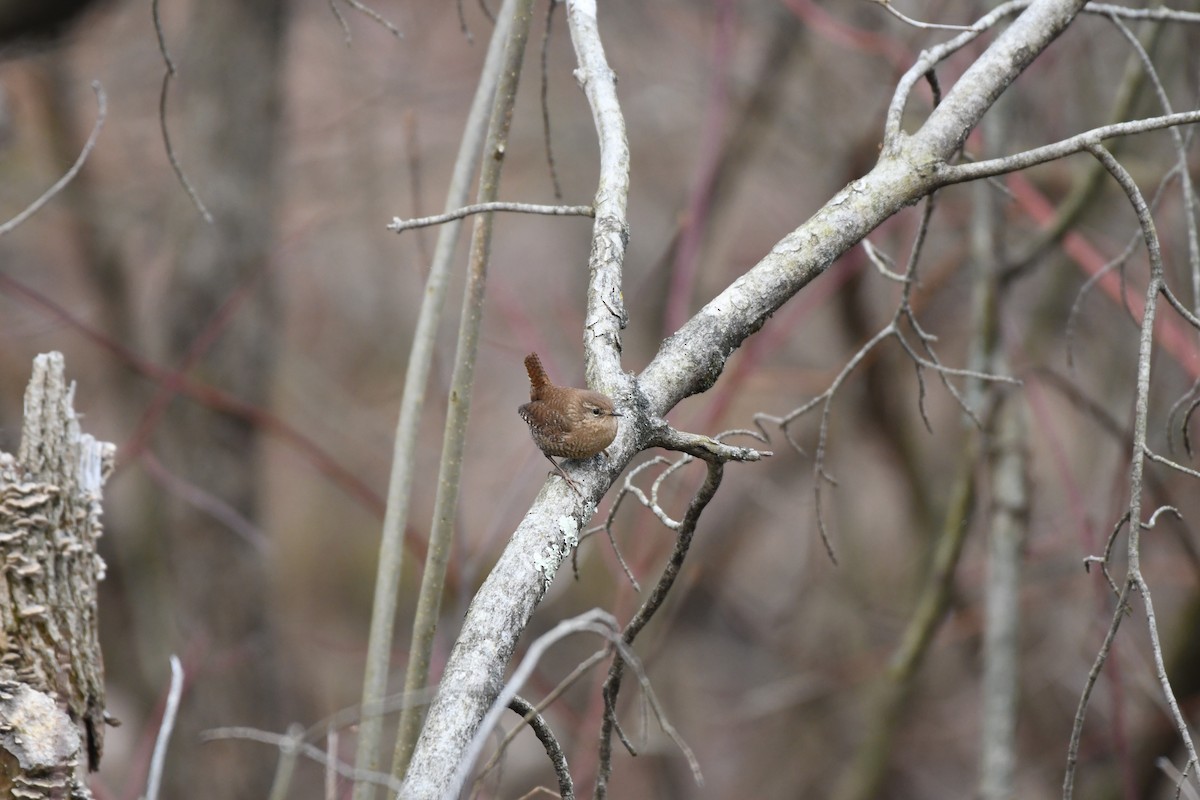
<point x="693" y="358"/>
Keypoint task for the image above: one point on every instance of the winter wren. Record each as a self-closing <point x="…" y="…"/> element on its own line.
<point x="566" y="422"/>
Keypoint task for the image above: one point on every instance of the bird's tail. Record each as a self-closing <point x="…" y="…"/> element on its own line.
<point x="537" y="375"/>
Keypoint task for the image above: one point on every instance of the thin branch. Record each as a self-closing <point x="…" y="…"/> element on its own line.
<point x="956" y="372"/>
<point x="398" y="225"/>
<point x="627" y="488"/>
<point x="89" y="145"/>
<point x="462" y="22"/>
<point x="931" y="26"/>
<point x="882" y="262"/>
<point x="1160" y="14"/>
<point x="825" y="399"/>
<point x="1187" y="398"/>
<point x="1141" y="423"/>
<point x="1084" y="191"/>
<point x="286" y="768"/>
<point x="461" y="389"/>
<point x="1183" y="310"/>
<point x="566" y="683"/>
<point x="345" y="26"/>
<point x="541" y="729"/>
<point x="1106" y="559"/>
<point x="331" y="749"/>
<point x="1150" y="454"/>
<point x="1160" y="670"/>
<point x="304" y="748"/>
<point x="1134" y="577"/>
<point x="891" y="330"/>
<point x="1172" y="510"/>
<point x="1183" y="788"/>
<point x="1187" y="442"/>
<point x="206" y="502"/>
<point x="416" y="377"/>
<point x="705" y="448"/>
<point x="375" y="15"/>
<point x="1076" y="306"/>
<point x="931" y="58"/>
<point x="558" y="193"/>
<point x="595" y="621"/>
<point x="649" y="607"/>
<point x="162" y="118"/>
<point x="1181" y="162"/>
<point x="1088" y="687"/>
<point x="356" y="715"/>
<point x="170" y="710"/>
<point x="948" y="174"/>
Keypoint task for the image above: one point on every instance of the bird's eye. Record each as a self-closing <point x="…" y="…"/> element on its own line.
<point x="595" y="412"/>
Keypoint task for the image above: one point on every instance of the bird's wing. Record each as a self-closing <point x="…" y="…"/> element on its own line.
<point x="552" y="425"/>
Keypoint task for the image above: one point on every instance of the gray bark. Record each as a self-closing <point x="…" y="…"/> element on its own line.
<point x="51" y="670"/>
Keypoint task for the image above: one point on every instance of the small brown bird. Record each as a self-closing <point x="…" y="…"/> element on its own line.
<point x="566" y="422"/>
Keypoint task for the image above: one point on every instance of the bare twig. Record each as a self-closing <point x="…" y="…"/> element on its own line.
<point x="1160" y="14"/>
<point x="462" y="22"/>
<point x="1183" y="788"/>
<point x="1181" y="164"/>
<point x="1088" y="687"/>
<point x="375" y="15"/>
<point x="1106" y="559"/>
<point x="162" y="118"/>
<point x="566" y="683"/>
<point x="462" y="382"/>
<point x="345" y="26"/>
<point x="594" y="621"/>
<point x="711" y="449"/>
<point x="882" y="262"/>
<point x="1084" y="191"/>
<point x="948" y="174"/>
<point x="892" y="330"/>
<point x="1117" y="263"/>
<point x="933" y="26"/>
<point x="398" y="225"/>
<point x="1187" y="442"/>
<point x="649" y="607"/>
<point x="693" y="446"/>
<point x="331" y="750"/>
<point x="558" y="194"/>
<point x="1150" y="454"/>
<point x="391" y="546"/>
<point x="367" y="11"/>
<point x="933" y="56"/>
<point x="1134" y="578"/>
<point x="69" y="175"/>
<point x="286" y="768"/>
<point x="306" y="749"/>
<point x="154" y="779"/>
<point x="541" y="729"/>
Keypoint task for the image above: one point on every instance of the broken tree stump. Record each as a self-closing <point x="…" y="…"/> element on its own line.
<point x="51" y="670"/>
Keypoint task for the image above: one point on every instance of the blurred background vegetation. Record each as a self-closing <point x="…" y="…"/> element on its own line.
<point x="249" y="372"/>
